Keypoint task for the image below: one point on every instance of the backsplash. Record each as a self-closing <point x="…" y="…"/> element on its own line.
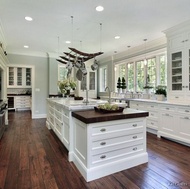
<point x="19" y="91"/>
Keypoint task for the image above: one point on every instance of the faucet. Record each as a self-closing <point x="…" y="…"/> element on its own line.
<point x="109" y="94"/>
<point x="86" y="101"/>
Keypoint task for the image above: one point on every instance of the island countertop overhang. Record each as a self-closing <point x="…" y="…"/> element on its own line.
<point x="91" y="116"/>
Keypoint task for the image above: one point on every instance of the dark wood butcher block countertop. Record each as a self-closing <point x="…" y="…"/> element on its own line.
<point x="91" y="116"/>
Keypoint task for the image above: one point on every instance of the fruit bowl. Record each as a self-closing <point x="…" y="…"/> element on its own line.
<point x="97" y="109"/>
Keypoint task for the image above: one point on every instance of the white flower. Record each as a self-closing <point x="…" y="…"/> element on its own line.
<point x="66" y="85"/>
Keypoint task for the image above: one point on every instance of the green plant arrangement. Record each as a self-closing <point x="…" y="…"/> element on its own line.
<point x="66" y="85"/>
<point x="119" y="84"/>
<point x="160" y="89"/>
<point x="123" y="83"/>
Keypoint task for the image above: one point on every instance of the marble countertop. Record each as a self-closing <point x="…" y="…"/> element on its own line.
<point x="93" y="117"/>
<point x="71" y="104"/>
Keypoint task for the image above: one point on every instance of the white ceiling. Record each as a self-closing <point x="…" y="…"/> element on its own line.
<point x="132" y="20"/>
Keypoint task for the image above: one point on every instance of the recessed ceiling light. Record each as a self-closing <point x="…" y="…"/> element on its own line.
<point x="99" y="8"/>
<point x="117" y="37"/>
<point x="68" y="42"/>
<point x="28" y="18"/>
<point x="26" y="46"/>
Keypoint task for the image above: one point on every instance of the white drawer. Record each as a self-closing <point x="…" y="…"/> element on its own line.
<point x="58" y="108"/>
<point x="183" y="110"/>
<point x="51" y="104"/>
<point x="152" y="124"/>
<point x="168" y="108"/>
<point x="115" y="128"/>
<point x="102" y="146"/>
<point x="102" y="133"/>
<point x="59" y="116"/>
<point x="51" y="119"/>
<point x="153" y="114"/>
<point x="58" y="125"/>
<point x="152" y="106"/>
<point x="51" y="110"/>
<point x="66" y="113"/>
<point x="109" y="156"/>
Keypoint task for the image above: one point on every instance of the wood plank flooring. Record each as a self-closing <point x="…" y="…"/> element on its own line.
<point x="32" y="157"/>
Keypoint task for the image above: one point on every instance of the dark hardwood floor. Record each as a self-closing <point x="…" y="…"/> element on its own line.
<point x="31" y="156"/>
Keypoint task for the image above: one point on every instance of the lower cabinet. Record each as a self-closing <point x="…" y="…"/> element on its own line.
<point x="22" y="102"/>
<point x="58" y="119"/>
<point x="166" y="119"/>
<point x="106" y="147"/>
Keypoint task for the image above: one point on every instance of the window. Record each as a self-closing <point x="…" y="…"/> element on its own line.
<point x="151" y="71"/>
<point x="130" y="79"/>
<point x="163" y="70"/>
<point x="122" y="71"/>
<point x="103" y="78"/>
<point x="62" y="73"/>
<point x="140" y="75"/>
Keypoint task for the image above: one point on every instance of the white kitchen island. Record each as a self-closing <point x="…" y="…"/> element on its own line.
<point x="98" y="144"/>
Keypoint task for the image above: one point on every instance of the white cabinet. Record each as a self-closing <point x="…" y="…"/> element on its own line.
<point x="152" y="108"/>
<point x="178" y="48"/>
<point x="22" y="102"/>
<point x="58" y="119"/>
<point x="19" y="77"/>
<point x="106" y="147"/>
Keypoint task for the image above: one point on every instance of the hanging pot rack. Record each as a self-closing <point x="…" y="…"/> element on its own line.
<point x="77" y="56"/>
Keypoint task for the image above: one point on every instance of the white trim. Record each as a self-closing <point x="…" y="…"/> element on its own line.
<point x="39" y="116"/>
<point x="29" y="53"/>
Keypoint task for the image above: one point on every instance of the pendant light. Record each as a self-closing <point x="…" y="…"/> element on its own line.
<point x="145" y="60"/>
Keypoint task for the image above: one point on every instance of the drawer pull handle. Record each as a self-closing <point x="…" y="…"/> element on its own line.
<point x="176" y="96"/>
<point x="186" y="110"/>
<point x="186" y="117"/>
<point x="152" y="123"/>
<point x="103" y="143"/>
<point x="152" y="114"/>
<point x="152" y="106"/>
<point x="167" y="108"/>
<point x="134" y="137"/>
<point x="134" y="125"/>
<point x="103" y="130"/>
<point x="103" y="156"/>
<point x="135" y="148"/>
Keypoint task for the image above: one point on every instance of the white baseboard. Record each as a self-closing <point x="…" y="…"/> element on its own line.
<point x="39" y="116"/>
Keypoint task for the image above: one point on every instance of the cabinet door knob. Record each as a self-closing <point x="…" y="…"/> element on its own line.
<point x="134" y="149"/>
<point x="134" y="125"/>
<point x="103" y="156"/>
<point x="134" y="137"/>
<point x="186" y="110"/>
<point x="103" y="130"/>
<point x="103" y="143"/>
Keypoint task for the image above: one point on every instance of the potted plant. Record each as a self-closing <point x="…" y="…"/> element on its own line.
<point x="123" y="85"/>
<point x="160" y="92"/>
<point x="119" y="85"/>
<point x="147" y="86"/>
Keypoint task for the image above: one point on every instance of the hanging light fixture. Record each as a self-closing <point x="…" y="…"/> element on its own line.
<point x="145" y="60"/>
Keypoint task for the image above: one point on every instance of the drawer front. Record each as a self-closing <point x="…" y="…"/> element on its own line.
<point x="115" y="128"/>
<point x="152" y="106"/>
<point x="58" y="108"/>
<point x="136" y="105"/>
<point x="152" y="124"/>
<point x="116" y="143"/>
<point x="113" y="131"/>
<point x="153" y="114"/>
<point x="51" y="119"/>
<point x="58" y="116"/>
<point x="168" y="108"/>
<point x="58" y="126"/>
<point x="110" y="156"/>
<point x="51" y="110"/>
<point x="183" y="110"/>
<point x="65" y="113"/>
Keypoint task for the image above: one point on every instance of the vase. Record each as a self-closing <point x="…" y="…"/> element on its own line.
<point x="67" y="93"/>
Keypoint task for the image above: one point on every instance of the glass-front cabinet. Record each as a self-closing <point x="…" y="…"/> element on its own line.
<point x="19" y="77"/>
<point x="176" y="72"/>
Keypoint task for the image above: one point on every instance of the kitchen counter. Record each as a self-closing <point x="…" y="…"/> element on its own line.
<point x="93" y="117"/>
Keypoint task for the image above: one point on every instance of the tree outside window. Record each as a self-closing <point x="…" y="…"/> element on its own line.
<point x="130" y="73"/>
<point x="140" y="75"/>
<point x="163" y="70"/>
<point x="151" y="71"/>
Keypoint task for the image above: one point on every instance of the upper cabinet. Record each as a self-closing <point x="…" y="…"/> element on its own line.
<point x="19" y="77"/>
<point x="178" y="49"/>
